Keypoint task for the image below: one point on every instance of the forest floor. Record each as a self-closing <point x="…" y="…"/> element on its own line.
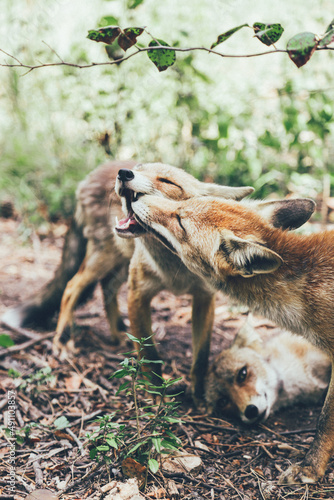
<point x="237" y="461"/>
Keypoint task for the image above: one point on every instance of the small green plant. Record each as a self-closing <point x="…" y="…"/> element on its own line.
<point x="21" y="434"/>
<point x="145" y="432"/>
<point x="32" y="383"/>
<point x="14" y="373"/>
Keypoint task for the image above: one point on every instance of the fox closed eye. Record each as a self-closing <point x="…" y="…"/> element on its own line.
<point x="167" y="181"/>
<point x="180" y="223"/>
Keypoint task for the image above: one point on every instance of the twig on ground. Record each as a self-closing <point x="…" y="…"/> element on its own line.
<point x="25" y="345"/>
<point x="77" y="440"/>
<point x="95" y="469"/>
<point x="86" y="417"/>
<point x="20" y="331"/>
<point x="35" y="459"/>
<point x="182" y="475"/>
<point x="210" y="426"/>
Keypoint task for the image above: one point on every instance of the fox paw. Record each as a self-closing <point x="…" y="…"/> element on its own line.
<point x="297" y="474"/>
<point x="64" y="351"/>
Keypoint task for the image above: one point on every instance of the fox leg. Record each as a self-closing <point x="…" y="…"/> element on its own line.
<point x="110" y="286"/>
<point x="75" y="287"/>
<point x="203" y="310"/>
<point x="142" y="288"/>
<point x="95" y="266"/>
<point x="316" y="459"/>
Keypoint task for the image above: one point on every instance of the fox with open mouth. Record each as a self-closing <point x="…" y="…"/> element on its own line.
<point x="286" y="277"/>
<point x="154" y="267"/>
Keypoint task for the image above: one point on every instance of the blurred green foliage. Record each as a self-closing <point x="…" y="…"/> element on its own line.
<point x="260" y="122"/>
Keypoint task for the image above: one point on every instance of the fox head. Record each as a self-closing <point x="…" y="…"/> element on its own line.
<point x="164" y="181"/>
<point x="241" y="382"/>
<point x="217" y="239"/>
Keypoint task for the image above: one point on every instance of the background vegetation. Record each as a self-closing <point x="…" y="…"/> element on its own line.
<point x="258" y="121"/>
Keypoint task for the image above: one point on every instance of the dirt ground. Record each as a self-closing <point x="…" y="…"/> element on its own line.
<point x="237" y="461"/>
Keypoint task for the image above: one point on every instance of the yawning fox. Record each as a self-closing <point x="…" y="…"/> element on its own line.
<point x="283" y="276"/>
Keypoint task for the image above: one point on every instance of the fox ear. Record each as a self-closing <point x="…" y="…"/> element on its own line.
<point x="247" y="336"/>
<point x="229" y="193"/>
<point x="287" y="214"/>
<point x="247" y="257"/>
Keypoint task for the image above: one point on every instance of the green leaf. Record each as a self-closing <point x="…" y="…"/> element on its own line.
<point x="172" y="381"/>
<point x="169" y="444"/>
<point x="106" y="35"/>
<point x="132" y="337"/>
<point x="112" y="442"/>
<point x="224" y="36"/>
<point x="122" y="387"/>
<point x="157" y="444"/>
<point x="61" y="423"/>
<point x="93" y="453"/>
<point x="327" y="39"/>
<point x="172" y="420"/>
<point x="103" y="447"/>
<point x="153" y="465"/>
<point x="107" y="21"/>
<point x="135" y="4"/>
<point x="152" y="361"/>
<point x="268" y="33"/>
<point x="6" y="340"/>
<point x="174" y="438"/>
<point x="20" y="439"/>
<point x="129" y="37"/>
<point x="162" y="58"/>
<point x="136" y="446"/>
<point x="301" y="47"/>
<point x="120" y="373"/>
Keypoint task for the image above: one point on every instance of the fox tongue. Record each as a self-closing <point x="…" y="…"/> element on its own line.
<point x="125" y="224"/>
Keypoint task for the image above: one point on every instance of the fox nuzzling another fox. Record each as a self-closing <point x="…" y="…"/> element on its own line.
<point x="286" y="277"/>
<point x="93" y="253"/>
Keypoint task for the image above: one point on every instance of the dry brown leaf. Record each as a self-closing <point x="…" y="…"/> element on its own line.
<point x="132" y="468"/>
<point x="73" y="383"/>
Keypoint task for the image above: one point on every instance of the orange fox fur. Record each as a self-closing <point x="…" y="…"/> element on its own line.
<point x="284" y="276"/>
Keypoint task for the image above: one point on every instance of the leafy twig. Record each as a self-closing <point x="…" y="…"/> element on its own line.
<point x="30" y="68"/>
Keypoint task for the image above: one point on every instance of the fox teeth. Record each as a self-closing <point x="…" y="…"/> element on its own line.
<point x="116" y="220"/>
<point x="135" y="196"/>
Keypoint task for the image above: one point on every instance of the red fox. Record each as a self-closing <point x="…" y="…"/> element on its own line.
<point x="154" y="267"/>
<point x="256" y="377"/>
<point x="92" y="253"/>
<point x="283" y="276"/>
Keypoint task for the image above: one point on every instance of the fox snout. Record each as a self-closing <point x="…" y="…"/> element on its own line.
<point x="251" y="412"/>
<point x="124" y="174"/>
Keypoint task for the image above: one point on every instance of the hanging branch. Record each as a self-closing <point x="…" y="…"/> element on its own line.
<point x="300" y="48"/>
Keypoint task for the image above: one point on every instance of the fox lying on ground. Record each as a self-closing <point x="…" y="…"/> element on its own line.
<point x="256" y="377"/>
<point x="283" y="276"/>
<point x="93" y="253"/>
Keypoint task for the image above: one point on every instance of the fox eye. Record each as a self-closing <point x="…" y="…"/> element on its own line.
<point x="242" y="374"/>
<point x="180" y="223"/>
<point x="167" y="181"/>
